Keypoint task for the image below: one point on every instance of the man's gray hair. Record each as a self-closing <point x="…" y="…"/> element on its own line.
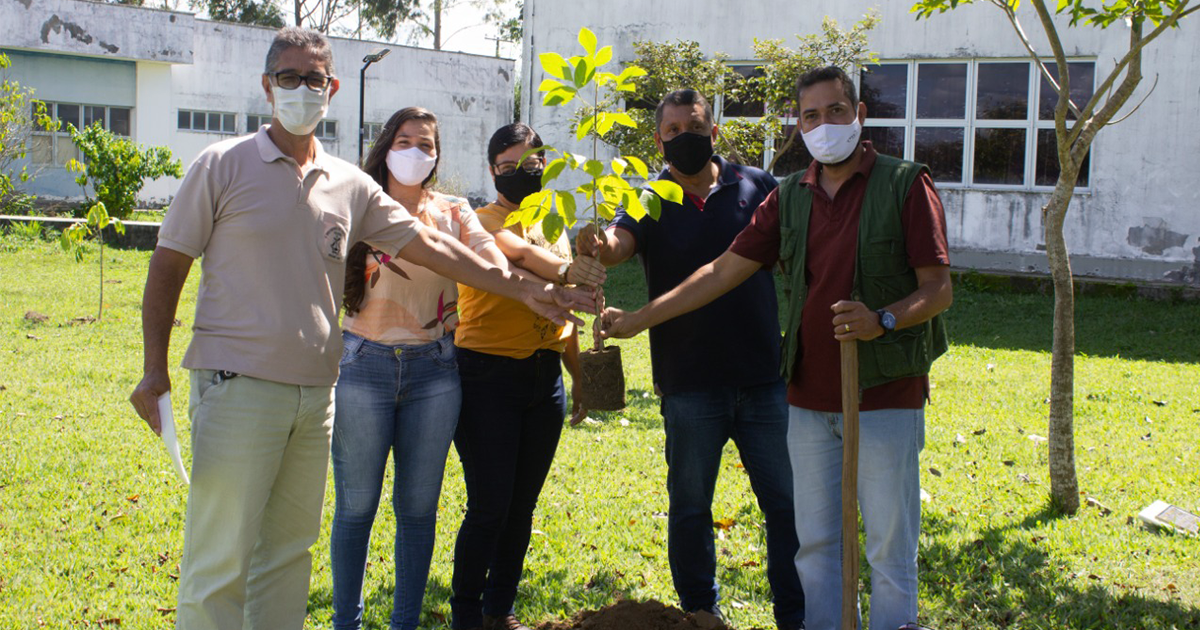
<point x="296" y="37"/>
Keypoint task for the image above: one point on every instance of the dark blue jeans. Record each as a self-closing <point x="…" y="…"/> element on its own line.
<point x="404" y="400"/>
<point x="698" y="424"/>
<point x="512" y="417"/>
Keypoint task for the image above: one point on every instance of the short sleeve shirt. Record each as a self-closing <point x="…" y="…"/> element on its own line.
<point x="405" y="303"/>
<point x="833" y="239"/>
<point x="272" y="244"/>
<point x="494" y="324"/>
<point x="734" y="340"/>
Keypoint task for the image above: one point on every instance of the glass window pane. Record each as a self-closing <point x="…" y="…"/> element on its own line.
<point x="733" y="107"/>
<point x="1000" y="156"/>
<point x="885" y="90"/>
<point x="886" y="140"/>
<point x="119" y="120"/>
<point x="41" y="149"/>
<point x="1083" y="75"/>
<point x="66" y="150"/>
<point x="796" y="158"/>
<point x="1003" y="91"/>
<point x="214" y="121"/>
<point x="185" y="120"/>
<point x="1046" y="169"/>
<point x="941" y="149"/>
<point x="942" y="90"/>
<point x="68" y="114"/>
<point x="227" y="124"/>
<point x="92" y="114"/>
<point x="331" y="129"/>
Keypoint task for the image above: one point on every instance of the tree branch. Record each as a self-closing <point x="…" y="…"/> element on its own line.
<point x="1063" y="85"/>
<point x="1135" y="107"/>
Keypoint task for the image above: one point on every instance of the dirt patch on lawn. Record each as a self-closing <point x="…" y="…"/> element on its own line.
<point x="630" y="615"/>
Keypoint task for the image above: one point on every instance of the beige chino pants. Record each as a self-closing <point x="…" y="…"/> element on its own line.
<point x="260" y="452"/>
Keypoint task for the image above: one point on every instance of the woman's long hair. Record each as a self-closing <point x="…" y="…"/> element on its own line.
<point x="375" y="165"/>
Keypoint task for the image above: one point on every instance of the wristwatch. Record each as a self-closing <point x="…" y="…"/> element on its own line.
<point x="886" y="320"/>
<point x="562" y="272"/>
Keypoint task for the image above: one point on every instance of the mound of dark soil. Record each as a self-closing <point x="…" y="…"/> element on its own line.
<point x="631" y="615"/>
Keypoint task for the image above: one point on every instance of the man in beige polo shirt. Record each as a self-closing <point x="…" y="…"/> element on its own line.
<point x="271" y="216"/>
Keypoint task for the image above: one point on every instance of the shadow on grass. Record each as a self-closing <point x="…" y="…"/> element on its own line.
<point x="1004" y="579"/>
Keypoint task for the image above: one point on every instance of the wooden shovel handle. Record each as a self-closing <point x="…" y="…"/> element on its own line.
<point x="850" y="485"/>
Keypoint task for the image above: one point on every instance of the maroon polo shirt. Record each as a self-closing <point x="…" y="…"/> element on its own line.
<point x="829" y="272"/>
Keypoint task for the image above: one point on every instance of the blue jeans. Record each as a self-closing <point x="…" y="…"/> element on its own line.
<point x="698" y="424"/>
<point x="404" y="399"/>
<point x="512" y="417"/>
<point x="890" y="441"/>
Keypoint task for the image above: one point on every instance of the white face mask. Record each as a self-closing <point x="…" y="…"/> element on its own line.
<point x="410" y="166"/>
<point x="830" y="143"/>
<point x="299" y="110"/>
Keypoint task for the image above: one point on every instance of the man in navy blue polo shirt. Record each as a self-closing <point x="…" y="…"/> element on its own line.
<point x="717" y="368"/>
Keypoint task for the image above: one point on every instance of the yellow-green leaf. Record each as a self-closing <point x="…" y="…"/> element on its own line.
<point x="584" y="127"/>
<point x="554" y="65"/>
<point x="553" y="169"/>
<point x="566" y="206"/>
<point x="587" y="39"/>
<point x="638" y="165"/>
<point x="619" y="165"/>
<point x="621" y="118"/>
<point x="548" y="85"/>
<point x="593" y="167"/>
<point x="552" y="227"/>
<point x="668" y="190"/>
<point x="653" y="204"/>
<point x="558" y="97"/>
<point x="633" y="205"/>
<point x="604" y="123"/>
<point x="603" y="56"/>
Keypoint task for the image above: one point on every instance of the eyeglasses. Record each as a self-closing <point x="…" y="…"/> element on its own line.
<point x="290" y="80"/>
<point x="533" y="166"/>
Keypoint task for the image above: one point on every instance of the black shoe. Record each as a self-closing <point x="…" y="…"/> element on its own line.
<point x="503" y="622"/>
<point x="790" y="626"/>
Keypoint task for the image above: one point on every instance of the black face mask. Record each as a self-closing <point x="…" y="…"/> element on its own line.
<point x="519" y="185"/>
<point x="689" y="152"/>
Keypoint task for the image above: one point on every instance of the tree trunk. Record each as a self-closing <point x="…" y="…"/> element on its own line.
<point x="1064" y="486"/>
<point x="299" y="6"/>
<point x="100" y="309"/>
<point x="437" y="24"/>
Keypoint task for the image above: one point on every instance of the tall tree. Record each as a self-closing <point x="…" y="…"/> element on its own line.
<point x="257" y="12"/>
<point x="1075" y="128"/>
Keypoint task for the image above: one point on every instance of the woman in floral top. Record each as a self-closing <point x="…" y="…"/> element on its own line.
<point x="399" y="388"/>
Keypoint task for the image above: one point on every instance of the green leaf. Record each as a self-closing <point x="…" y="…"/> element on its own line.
<point x="119" y="226"/>
<point x="619" y="165"/>
<point x="603" y="56"/>
<point x="584" y="71"/>
<point x="566" y="206"/>
<point x="558" y="97"/>
<point x="607" y="210"/>
<point x="552" y="227"/>
<point x="593" y="167"/>
<point x="587" y="39"/>
<point x="604" y="123"/>
<point x="633" y="205"/>
<point x="653" y="204"/>
<point x="631" y="72"/>
<point x="553" y="169"/>
<point x="554" y="65"/>
<point x="639" y="166"/>
<point x="532" y="151"/>
<point x="621" y="118"/>
<point x="584" y="127"/>
<point x="668" y="190"/>
<point x="549" y="85"/>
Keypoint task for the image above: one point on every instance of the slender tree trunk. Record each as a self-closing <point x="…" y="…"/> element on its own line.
<point x="1064" y="486"/>
<point x="100" y="309"/>
<point x="437" y="24"/>
<point x="299" y="6"/>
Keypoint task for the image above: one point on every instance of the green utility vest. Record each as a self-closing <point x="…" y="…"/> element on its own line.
<point x="881" y="273"/>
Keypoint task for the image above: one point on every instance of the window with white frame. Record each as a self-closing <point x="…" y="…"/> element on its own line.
<point x="326" y="130"/>
<point x="976" y="123"/>
<point x="57" y="148"/>
<point x="795" y="156"/>
<point x="371" y="131"/>
<point x="255" y="121"/>
<point x="207" y="122"/>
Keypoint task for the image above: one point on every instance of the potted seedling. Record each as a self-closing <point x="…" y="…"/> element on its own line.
<point x="579" y="80"/>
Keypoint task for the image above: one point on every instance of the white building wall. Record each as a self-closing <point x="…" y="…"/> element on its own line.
<point x="1139" y="217"/>
<point x="185" y="63"/>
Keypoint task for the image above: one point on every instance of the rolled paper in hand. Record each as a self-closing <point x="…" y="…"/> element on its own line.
<point x="166" y="421"/>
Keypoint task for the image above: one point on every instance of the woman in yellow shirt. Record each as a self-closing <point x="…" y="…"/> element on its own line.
<point x="510" y="362"/>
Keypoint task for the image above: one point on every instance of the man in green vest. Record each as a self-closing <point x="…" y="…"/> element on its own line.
<point x="861" y="241"/>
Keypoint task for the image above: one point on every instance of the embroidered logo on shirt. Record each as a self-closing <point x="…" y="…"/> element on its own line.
<point x="335" y="243"/>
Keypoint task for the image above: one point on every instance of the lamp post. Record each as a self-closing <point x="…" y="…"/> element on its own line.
<point x="362" y="88"/>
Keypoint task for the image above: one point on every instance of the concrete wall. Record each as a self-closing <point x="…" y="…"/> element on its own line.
<point x="178" y="62"/>
<point x="1137" y="220"/>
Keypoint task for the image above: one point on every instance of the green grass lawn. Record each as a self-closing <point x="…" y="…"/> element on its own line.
<point x="91" y="516"/>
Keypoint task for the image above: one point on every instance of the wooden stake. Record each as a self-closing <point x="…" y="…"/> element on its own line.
<point x="850" y="485"/>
